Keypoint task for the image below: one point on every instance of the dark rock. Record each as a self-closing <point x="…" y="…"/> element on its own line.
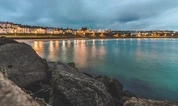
<point x="59" y="99"/>
<point x="77" y="88"/>
<point x="44" y="92"/>
<point x="49" y="75"/>
<point x="45" y="62"/>
<point x="22" y="64"/>
<point x="12" y="95"/>
<point x="51" y="67"/>
<point x="118" y="102"/>
<point x="113" y="86"/>
<point x="128" y="94"/>
<point x="147" y="102"/>
<point x="71" y="64"/>
<point x="89" y="75"/>
<point x="4" y="40"/>
<point x="34" y="87"/>
<point x="40" y="90"/>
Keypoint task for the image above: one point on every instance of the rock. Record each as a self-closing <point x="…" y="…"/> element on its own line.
<point x="12" y="95"/>
<point x="118" y="102"/>
<point x="73" y="87"/>
<point x="50" y="69"/>
<point x="4" y="40"/>
<point x="89" y="75"/>
<point x="22" y="65"/>
<point x="147" y="102"/>
<point x="44" y="92"/>
<point x="59" y="99"/>
<point x="71" y="64"/>
<point x="40" y="90"/>
<point x="113" y="86"/>
<point x="129" y="94"/>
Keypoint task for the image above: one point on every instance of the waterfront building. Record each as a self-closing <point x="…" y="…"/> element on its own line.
<point x="11" y="28"/>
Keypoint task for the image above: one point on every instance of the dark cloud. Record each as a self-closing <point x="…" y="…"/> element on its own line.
<point x="114" y="14"/>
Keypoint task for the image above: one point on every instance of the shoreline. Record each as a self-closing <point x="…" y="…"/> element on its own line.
<point x="74" y="37"/>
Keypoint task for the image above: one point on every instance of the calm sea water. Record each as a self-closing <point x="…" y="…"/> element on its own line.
<point x="146" y="67"/>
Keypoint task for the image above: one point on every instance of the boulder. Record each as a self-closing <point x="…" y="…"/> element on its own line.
<point x="72" y="64"/>
<point x="21" y="63"/>
<point x="40" y="90"/>
<point x="4" y="40"/>
<point x="147" y="102"/>
<point x="89" y="75"/>
<point x="44" y="92"/>
<point x="113" y="86"/>
<point x="71" y="87"/>
<point x="128" y="94"/>
<point x="12" y="95"/>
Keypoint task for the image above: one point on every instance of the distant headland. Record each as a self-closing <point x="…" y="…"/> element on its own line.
<point x="13" y="30"/>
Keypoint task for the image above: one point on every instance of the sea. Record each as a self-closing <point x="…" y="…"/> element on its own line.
<point x="147" y="67"/>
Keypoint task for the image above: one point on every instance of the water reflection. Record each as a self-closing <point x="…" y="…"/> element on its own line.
<point x="93" y="42"/>
<point x="93" y="51"/>
<point x="68" y="43"/>
<point x="38" y="47"/>
<point x="102" y="41"/>
<point x="80" y="53"/>
<point x="51" y="52"/>
<point x="70" y="50"/>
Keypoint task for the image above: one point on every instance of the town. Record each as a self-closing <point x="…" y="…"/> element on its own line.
<point x="12" y="29"/>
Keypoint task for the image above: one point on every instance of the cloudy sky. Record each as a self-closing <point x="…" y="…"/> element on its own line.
<point x="95" y="14"/>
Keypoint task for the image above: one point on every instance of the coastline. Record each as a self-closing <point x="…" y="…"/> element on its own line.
<point x="75" y="37"/>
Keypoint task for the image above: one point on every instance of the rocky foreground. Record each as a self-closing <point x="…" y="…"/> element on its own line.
<point x="28" y="80"/>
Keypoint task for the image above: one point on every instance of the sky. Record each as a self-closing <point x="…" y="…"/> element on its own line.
<point x="93" y="14"/>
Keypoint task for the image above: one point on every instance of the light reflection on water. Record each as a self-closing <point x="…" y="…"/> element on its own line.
<point x="69" y="50"/>
<point x="147" y="67"/>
